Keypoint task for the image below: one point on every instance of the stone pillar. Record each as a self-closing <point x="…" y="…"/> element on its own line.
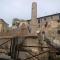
<point x="34" y="22"/>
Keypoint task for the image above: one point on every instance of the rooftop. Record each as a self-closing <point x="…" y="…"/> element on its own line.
<point x="1" y="20"/>
<point x="49" y="15"/>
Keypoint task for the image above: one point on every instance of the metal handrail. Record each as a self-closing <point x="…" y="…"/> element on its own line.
<point x="5" y="42"/>
<point x="36" y="55"/>
<point x="50" y="42"/>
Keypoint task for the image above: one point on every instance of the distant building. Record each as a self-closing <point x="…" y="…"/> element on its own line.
<point x="35" y="24"/>
<point x="3" y="26"/>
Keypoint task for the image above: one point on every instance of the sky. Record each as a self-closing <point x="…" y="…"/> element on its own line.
<point x="21" y="9"/>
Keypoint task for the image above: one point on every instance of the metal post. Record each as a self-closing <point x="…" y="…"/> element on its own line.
<point x="52" y="56"/>
<point x="11" y="48"/>
<point x="14" y="48"/>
